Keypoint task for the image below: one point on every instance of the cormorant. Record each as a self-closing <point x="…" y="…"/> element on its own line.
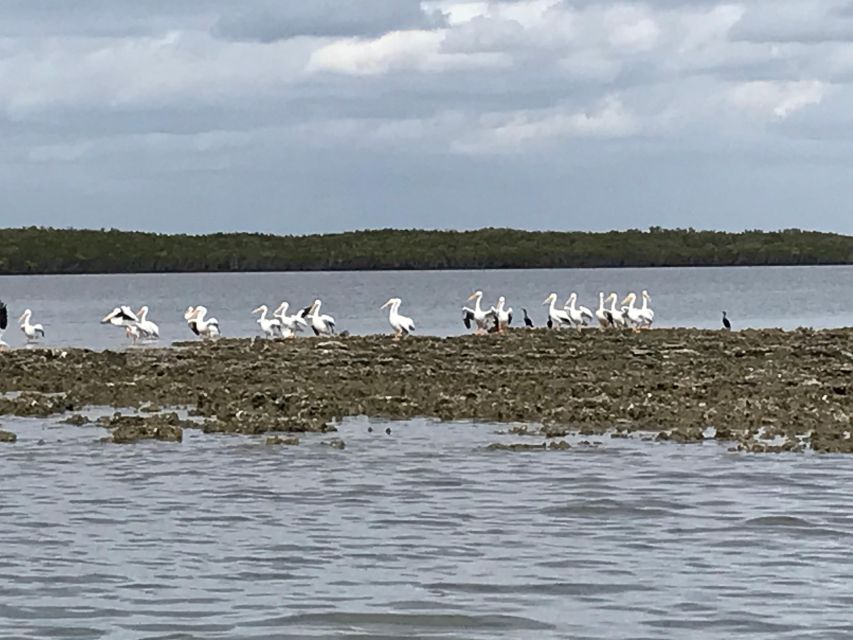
<point x="727" y="325"/>
<point x="527" y="321"/>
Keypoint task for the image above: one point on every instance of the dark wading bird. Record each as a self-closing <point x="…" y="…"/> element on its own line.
<point x="4" y="322"/>
<point x="727" y="325"/>
<point x="527" y="321"/>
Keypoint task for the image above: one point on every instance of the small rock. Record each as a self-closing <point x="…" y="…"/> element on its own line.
<point x="274" y="440"/>
<point x="335" y="443"/>
<point x="7" y="436"/>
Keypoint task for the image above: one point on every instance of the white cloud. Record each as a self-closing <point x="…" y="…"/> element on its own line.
<point x="779" y="99"/>
<point x="519" y="131"/>
<point x="398" y="51"/>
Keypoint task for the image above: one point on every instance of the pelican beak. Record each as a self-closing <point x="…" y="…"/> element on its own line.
<point x="106" y="318"/>
<point x="387" y="303"/>
<point x="472" y="296"/>
<point x="625" y="300"/>
<point x="258" y="310"/>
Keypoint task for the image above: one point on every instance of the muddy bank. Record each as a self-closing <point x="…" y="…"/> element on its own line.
<point x="763" y="390"/>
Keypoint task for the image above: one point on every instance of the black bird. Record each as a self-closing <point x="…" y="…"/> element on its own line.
<point x="550" y="323"/>
<point x="527" y="321"/>
<point x="727" y="325"/>
<point x="4" y="322"/>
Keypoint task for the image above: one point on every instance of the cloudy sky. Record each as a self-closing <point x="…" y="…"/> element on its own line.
<point x="296" y="116"/>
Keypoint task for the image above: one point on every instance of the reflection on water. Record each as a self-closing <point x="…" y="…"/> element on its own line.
<point x="418" y="534"/>
<point x="71" y="306"/>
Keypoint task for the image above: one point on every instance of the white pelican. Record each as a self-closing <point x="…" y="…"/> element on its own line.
<point x="580" y="315"/>
<point x="602" y="314"/>
<point x="646" y="311"/>
<point x="120" y="317"/>
<point x="632" y="314"/>
<point x="617" y="316"/>
<point x="4" y="322"/>
<point x="477" y="314"/>
<point x="290" y="324"/>
<point x="133" y="332"/>
<point x="402" y="325"/>
<point x="199" y="325"/>
<point x="322" y="324"/>
<point x="32" y="331"/>
<point x="502" y="316"/>
<point x="270" y="326"/>
<point x="556" y="317"/>
<point x="147" y="328"/>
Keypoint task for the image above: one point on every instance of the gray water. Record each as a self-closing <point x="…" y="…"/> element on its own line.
<point x="418" y="534"/>
<point x="71" y="306"/>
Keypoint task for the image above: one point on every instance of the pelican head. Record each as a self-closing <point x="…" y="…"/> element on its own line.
<point x="390" y="302"/>
<point x="189" y="313"/>
<point x="629" y="298"/>
<point x="143" y="311"/>
<point x="25" y="315"/>
<point x="476" y="295"/>
<point x="646" y="295"/>
<point x="262" y="309"/>
<point x="551" y="298"/>
<point x="281" y="309"/>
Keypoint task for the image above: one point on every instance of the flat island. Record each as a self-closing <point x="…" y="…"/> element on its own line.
<point x="762" y="390"/>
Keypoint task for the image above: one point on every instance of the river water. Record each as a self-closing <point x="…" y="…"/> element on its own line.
<point x="71" y="306"/>
<point x="418" y="534"/>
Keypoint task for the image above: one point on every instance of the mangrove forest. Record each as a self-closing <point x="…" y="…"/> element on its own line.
<point x="48" y="250"/>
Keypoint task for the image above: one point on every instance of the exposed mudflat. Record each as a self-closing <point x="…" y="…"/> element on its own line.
<point x="765" y="390"/>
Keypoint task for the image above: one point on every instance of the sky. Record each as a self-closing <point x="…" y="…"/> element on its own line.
<point x="287" y="116"/>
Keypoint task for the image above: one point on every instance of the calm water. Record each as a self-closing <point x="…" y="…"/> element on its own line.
<point x="70" y="306"/>
<point x="420" y="534"/>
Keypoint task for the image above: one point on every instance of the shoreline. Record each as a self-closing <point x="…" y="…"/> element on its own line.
<point x="763" y="389"/>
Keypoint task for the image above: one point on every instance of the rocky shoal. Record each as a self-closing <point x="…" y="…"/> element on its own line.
<point x="764" y="390"/>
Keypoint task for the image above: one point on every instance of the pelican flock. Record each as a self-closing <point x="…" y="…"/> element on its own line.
<point x="611" y="313"/>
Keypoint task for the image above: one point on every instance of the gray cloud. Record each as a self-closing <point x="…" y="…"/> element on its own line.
<point x="274" y="20"/>
<point x="321" y="115"/>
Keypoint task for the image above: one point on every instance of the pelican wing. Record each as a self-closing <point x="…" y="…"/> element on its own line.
<point x="467" y="317"/>
<point x="304" y="312"/>
<point x="509" y="318"/>
<point x="126" y="313"/>
<point x="194" y="327"/>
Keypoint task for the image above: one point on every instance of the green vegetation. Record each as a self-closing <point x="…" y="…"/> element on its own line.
<point x="45" y="250"/>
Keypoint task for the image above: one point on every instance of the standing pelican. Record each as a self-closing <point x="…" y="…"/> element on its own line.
<point x="322" y="324"/>
<point x="477" y="314"/>
<point x="402" y="325"/>
<point x="603" y="315"/>
<point x="32" y="331"/>
<point x="556" y="317"/>
<point x="646" y="312"/>
<point x="270" y="326"/>
<point x="633" y="316"/>
<point x="580" y="315"/>
<point x="502" y="315"/>
<point x="290" y="324"/>
<point x="617" y="316"/>
<point x="147" y="328"/>
<point x="195" y="317"/>
<point x="4" y="322"/>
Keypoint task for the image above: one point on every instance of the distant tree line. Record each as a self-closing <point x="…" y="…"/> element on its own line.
<point x="48" y="250"/>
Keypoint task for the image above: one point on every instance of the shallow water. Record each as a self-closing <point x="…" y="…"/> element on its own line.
<point x="418" y="534"/>
<point x="70" y="306"/>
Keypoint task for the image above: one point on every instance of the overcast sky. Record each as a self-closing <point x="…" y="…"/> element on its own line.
<point x="322" y="115"/>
